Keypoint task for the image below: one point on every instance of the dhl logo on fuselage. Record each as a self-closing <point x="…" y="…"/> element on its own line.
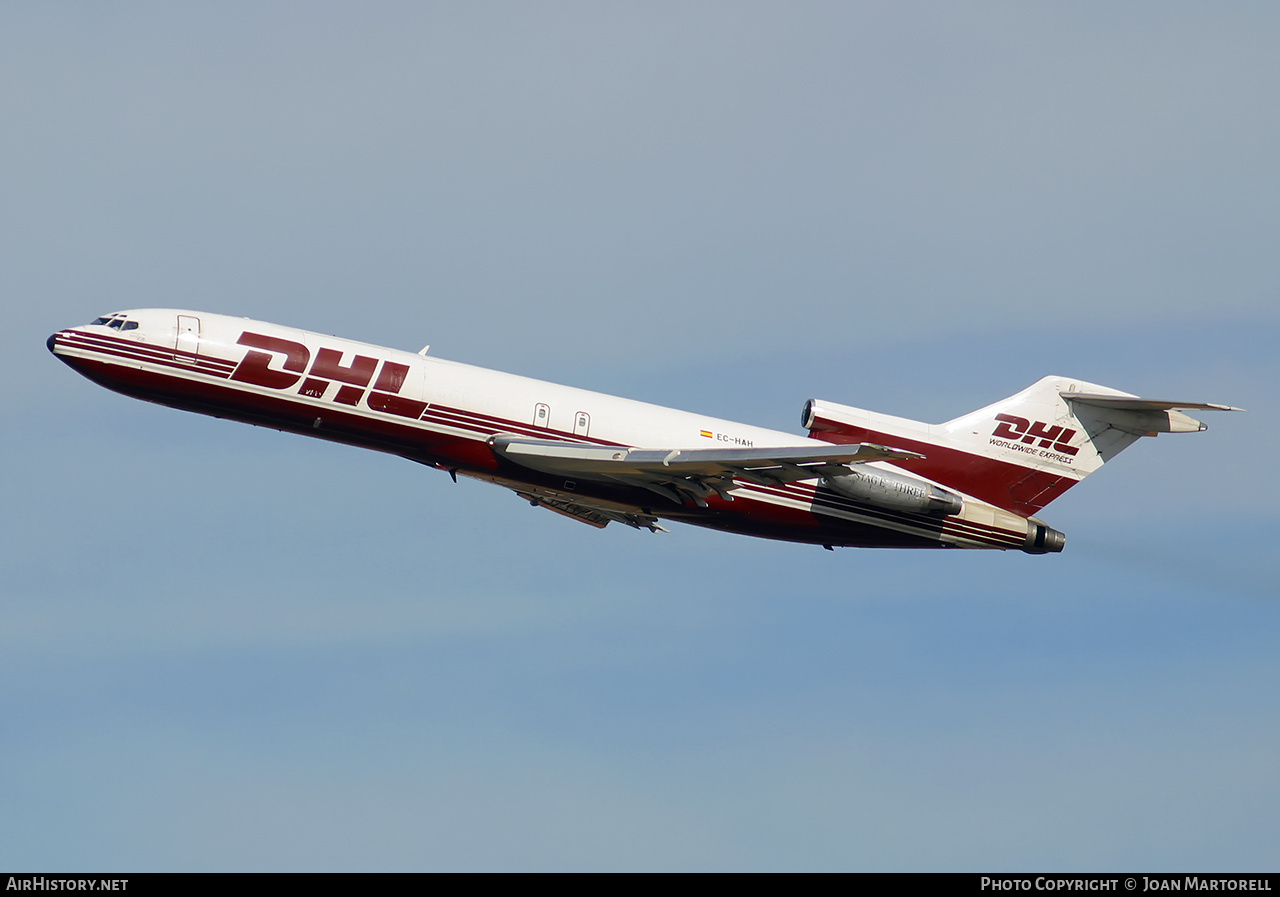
<point x="327" y="367"/>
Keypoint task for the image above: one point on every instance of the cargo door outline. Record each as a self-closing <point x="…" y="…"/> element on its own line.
<point x="186" y="343"/>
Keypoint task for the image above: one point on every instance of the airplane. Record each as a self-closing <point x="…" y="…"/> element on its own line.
<point x="860" y="478"/>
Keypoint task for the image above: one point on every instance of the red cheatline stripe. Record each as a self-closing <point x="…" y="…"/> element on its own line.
<point x="140" y="350"/>
<point x="505" y="425"/>
<point x="955" y="524"/>
<point x="468" y="422"/>
<point x="160" y="352"/>
<point x="430" y="418"/>
<point x="491" y="424"/>
<point x="163" y="362"/>
<point x="973" y="531"/>
<point x="1004" y="537"/>
<point x="162" y="357"/>
<point x="869" y="516"/>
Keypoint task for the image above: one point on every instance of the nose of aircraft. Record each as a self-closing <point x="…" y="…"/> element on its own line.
<point x="51" y="341"/>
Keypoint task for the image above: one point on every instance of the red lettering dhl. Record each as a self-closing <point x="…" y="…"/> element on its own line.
<point x="1016" y="429"/>
<point x="256" y="368"/>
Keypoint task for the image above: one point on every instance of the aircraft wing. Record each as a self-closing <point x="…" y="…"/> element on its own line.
<point x="678" y="474"/>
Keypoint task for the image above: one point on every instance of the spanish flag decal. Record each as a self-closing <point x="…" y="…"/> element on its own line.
<point x="706" y="433"/>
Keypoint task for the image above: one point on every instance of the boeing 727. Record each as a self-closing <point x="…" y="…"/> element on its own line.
<point x="860" y="479"/>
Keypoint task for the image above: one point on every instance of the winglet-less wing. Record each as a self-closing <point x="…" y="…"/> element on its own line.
<point x="558" y="457"/>
<point x="689" y="473"/>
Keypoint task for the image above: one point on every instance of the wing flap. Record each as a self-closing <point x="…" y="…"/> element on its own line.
<point x="785" y="462"/>
<point x="590" y="514"/>
<point x="695" y="474"/>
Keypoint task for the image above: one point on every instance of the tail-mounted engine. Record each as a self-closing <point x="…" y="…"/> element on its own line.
<point x="895" y="492"/>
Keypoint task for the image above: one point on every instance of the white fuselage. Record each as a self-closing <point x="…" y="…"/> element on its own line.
<point x="443" y="413"/>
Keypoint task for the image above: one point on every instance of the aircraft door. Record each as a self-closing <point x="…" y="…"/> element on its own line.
<point x="542" y="415"/>
<point x="581" y="423"/>
<point x="188" y="339"/>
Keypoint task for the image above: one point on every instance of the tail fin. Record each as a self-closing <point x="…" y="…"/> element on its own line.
<point x="1022" y="452"/>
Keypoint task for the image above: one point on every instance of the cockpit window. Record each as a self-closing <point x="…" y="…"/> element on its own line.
<point x="116" y="322"/>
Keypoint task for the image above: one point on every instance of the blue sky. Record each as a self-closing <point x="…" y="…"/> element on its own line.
<point x="223" y="647"/>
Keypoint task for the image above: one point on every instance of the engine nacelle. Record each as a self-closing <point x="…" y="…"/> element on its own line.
<point x="1043" y="539"/>
<point x="895" y="492"/>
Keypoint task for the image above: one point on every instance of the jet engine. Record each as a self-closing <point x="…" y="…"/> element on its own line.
<point x="895" y="492"/>
<point x="1043" y="539"/>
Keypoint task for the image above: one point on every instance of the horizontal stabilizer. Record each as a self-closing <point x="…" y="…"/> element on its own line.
<point x="1139" y="416"/>
<point x="1133" y="403"/>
